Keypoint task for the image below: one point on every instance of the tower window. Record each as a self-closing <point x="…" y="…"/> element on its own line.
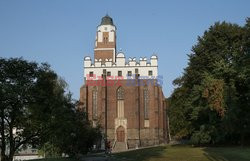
<point x="150" y="72"/>
<point x="105" y="40"/>
<point x="119" y="73"/>
<point x="120" y="93"/>
<point x="91" y="74"/>
<point x="146" y="103"/>
<point x="104" y="71"/>
<point x="108" y="73"/>
<point x="136" y="71"/>
<point x="129" y="73"/>
<point x="94" y="103"/>
<point x="120" y="102"/>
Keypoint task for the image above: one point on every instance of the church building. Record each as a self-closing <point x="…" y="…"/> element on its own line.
<point x="123" y="96"/>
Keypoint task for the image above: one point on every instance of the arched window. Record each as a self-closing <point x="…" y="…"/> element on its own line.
<point x="120" y="93"/>
<point x="105" y="40"/>
<point x="120" y="102"/>
<point x="146" y="102"/>
<point x="94" y="103"/>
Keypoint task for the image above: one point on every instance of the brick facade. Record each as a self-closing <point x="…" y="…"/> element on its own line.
<point x="136" y="132"/>
<point x="107" y="54"/>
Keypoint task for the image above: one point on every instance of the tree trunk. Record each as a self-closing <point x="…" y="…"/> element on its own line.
<point x="12" y="143"/>
<point x="242" y="139"/>
<point x="3" y="146"/>
<point x="11" y="155"/>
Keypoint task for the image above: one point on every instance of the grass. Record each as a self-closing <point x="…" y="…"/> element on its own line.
<point x="179" y="153"/>
<point x="186" y="153"/>
<point x="54" y="159"/>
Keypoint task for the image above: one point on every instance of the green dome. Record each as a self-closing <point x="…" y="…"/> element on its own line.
<point x="106" y="20"/>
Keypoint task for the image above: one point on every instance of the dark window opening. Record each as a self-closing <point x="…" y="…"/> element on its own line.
<point x="91" y="74"/>
<point x="119" y="73"/>
<point x="150" y="72"/>
<point x="129" y="73"/>
<point x="105" y="40"/>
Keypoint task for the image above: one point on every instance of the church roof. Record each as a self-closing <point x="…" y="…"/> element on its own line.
<point x="106" y="20"/>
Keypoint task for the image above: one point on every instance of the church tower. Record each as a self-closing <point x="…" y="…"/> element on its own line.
<point x="123" y="96"/>
<point x="105" y="43"/>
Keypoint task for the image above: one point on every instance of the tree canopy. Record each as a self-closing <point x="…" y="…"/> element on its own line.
<point x="211" y="102"/>
<point x="37" y="110"/>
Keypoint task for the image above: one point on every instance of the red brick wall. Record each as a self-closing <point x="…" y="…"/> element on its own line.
<point x="157" y="115"/>
<point x="104" y="54"/>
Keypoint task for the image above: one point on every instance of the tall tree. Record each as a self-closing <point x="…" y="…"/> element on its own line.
<point x="214" y="89"/>
<point x="35" y="109"/>
<point x="17" y="81"/>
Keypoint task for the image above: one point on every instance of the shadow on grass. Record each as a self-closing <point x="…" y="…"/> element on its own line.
<point x="141" y="154"/>
<point x="227" y="153"/>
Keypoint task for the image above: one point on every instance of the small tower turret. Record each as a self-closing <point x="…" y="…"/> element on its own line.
<point x="105" y="43"/>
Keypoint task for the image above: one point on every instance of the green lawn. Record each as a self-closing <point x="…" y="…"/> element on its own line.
<point x="180" y="153"/>
<point x="186" y="153"/>
<point x="55" y="159"/>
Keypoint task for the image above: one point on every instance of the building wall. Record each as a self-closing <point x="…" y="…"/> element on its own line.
<point x="123" y="65"/>
<point x="136" y="132"/>
<point x="26" y="157"/>
<point x="103" y="54"/>
<point x="139" y="131"/>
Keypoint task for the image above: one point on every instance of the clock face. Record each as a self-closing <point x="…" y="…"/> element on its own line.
<point x="105" y="28"/>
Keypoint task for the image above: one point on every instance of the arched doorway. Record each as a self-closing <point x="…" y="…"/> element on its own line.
<point x="120" y="134"/>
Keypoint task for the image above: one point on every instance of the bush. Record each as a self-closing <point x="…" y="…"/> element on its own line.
<point x="201" y="137"/>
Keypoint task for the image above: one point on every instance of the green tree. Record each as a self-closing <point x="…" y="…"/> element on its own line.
<point x="17" y="81"/>
<point x="212" y="96"/>
<point x="36" y="110"/>
<point x="72" y="135"/>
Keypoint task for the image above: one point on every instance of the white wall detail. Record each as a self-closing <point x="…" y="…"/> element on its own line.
<point x="121" y="64"/>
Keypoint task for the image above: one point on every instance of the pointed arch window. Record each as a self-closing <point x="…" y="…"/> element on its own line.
<point x="94" y="103"/>
<point x="120" y="102"/>
<point x="146" y="102"/>
<point x="120" y="93"/>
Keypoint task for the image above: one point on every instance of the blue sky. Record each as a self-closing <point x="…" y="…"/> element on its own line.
<point x="62" y="32"/>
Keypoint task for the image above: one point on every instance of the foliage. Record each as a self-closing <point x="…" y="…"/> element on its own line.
<point x="74" y="136"/>
<point x="212" y="99"/>
<point x="201" y="137"/>
<point x="36" y="110"/>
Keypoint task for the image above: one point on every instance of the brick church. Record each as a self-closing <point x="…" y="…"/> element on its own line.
<point x="123" y="96"/>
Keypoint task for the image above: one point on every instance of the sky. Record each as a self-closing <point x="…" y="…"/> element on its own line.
<point x="62" y="32"/>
